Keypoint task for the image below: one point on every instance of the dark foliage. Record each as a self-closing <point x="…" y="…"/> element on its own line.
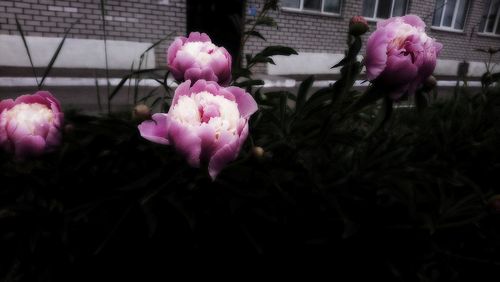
<point x="373" y="190"/>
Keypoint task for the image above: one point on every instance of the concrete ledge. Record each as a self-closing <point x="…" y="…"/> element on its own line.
<point x="75" y="53"/>
<point x="320" y="63"/>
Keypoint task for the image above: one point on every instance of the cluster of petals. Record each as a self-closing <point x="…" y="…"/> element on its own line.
<point x="400" y="55"/>
<point x="206" y="123"/>
<point x="196" y="57"/>
<point x="30" y="125"/>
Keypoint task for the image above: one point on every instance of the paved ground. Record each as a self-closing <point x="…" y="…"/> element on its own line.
<point x="85" y="97"/>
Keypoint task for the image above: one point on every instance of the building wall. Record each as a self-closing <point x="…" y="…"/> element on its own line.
<point x="319" y="35"/>
<point x="127" y="20"/>
<point x="319" y="38"/>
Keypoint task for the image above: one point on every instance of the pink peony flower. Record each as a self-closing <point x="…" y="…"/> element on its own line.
<point x="205" y="123"/>
<point x="30" y="125"/>
<point x="196" y="57"/>
<point x="400" y="55"/>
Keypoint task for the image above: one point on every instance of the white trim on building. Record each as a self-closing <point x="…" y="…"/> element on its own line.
<point x="75" y="53"/>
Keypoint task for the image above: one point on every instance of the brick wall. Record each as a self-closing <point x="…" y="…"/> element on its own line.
<point x="324" y="33"/>
<point x="130" y="20"/>
<point x="150" y="20"/>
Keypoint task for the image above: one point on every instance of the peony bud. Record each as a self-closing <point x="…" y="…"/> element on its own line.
<point x="358" y="26"/>
<point x="141" y="112"/>
<point x="258" y="152"/>
<point x="494" y="204"/>
<point x="429" y="83"/>
<point x="69" y="128"/>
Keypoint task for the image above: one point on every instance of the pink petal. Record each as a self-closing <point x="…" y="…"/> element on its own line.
<point x="155" y="130"/>
<point x="55" y="106"/>
<point x="182" y="90"/>
<point x="186" y="142"/>
<point x="199" y="86"/>
<point x="198" y="37"/>
<point x="6" y="104"/>
<point x="413" y="20"/>
<point x="29" y="146"/>
<point x="206" y="133"/>
<point x="376" y="53"/>
<point x="226" y="154"/>
<point x="246" y="104"/>
<point x="53" y="138"/>
<point x="173" y="49"/>
<point x="399" y="70"/>
<point x="184" y="61"/>
<point x="222" y="157"/>
<point x="32" y="99"/>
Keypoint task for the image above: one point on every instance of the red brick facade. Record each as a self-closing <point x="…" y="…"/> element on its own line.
<point x="150" y="20"/>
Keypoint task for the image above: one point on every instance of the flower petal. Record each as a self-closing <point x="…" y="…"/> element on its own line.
<point x="376" y="53"/>
<point x="6" y="104"/>
<point x="155" y="130"/>
<point x="246" y="104"/>
<point x="182" y="90"/>
<point x="30" y="145"/>
<point x="186" y="142"/>
<point x="226" y="154"/>
<point x="414" y="20"/>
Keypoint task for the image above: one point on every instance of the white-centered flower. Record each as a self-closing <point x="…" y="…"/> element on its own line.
<point x="204" y="107"/>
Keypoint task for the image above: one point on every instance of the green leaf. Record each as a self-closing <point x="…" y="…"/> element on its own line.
<point x="249" y="83"/>
<point x="495" y="77"/>
<point x="318" y="99"/>
<point x="256" y="34"/>
<point x="279" y="94"/>
<point x="19" y="28"/>
<point x="383" y="116"/>
<point x="277" y="50"/>
<point x="371" y="95"/>
<point x="54" y="57"/>
<point x="340" y="64"/>
<point x="128" y="76"/>
<point x="266" y="21"/>
<point x="351" y="53"/>
<point x="420" y="100"/>
<point x="156" y="44"/>
<point x="241" y="72"/>
<point x="302" y="93"/>
<point x="260" y="59"/>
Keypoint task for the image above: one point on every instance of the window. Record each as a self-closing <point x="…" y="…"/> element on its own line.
<point x="450" y="14"/>
<point x="491" y="20"/>
<point x="384" y="9"/>
<point x="320" y="6"/>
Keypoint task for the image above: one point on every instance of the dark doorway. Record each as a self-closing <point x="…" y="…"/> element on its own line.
<point x="221" y="19"/>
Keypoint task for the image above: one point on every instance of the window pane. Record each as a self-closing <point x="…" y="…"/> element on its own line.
<point x="492" y="16"/>
<point x="368" y="8"/>
<point x="399" y="8"/>
<point x="461" y="14"/>
<point x="448" y="12"/>
<point x="290" y="3"/>
<point x="384" y="9"/>
<point x="312" y="5"/>
<point x="331" y="6"/>
<point x="438" y="12"/>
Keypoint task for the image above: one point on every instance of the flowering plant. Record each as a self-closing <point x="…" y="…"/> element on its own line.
<point x="31" y="124"/>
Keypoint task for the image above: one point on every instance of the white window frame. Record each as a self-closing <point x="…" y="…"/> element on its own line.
<point x="375" y="19"/>
<point x="496" y="25"/>
<point x="454" y="18"/>
<point x="322" y="12"/>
